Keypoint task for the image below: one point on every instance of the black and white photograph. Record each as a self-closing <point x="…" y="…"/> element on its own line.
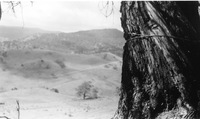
<point x="84" y="59"/>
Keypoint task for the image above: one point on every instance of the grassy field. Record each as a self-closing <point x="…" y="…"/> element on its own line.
<point x="31" y="76"/>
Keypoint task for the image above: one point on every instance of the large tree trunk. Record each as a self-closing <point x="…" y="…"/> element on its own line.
<point x="161" y="60"/>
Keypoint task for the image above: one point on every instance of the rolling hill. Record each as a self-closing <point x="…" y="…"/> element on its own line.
<point x="32" y="76"/>
<point x="82" y="42"/>
<point x="43" y="71"/>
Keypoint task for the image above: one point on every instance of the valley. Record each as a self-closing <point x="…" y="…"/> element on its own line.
<point x="44" y="81"/>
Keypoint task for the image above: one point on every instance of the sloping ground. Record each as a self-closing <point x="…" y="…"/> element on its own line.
<point x="46" y="105"/>
<point x="46" y="64"/>
<point x="87" y="42"/>
<point x="38" y="98"/>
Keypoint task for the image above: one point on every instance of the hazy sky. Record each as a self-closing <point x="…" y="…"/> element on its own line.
<point x="67" y="16"/>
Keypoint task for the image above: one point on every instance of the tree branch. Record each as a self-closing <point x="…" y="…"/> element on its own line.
<point x="4" y="117"/>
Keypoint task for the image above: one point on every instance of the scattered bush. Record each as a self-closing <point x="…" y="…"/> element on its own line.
<point x="45" y="87"/>
<point x="53" y="75"/>
<point x="55" y="90"/>
<point x="115" y="67"/>
<point x="105" y="56"/>
<point x="2" y="103"/>
<point x="14" y="88"/>
<point x="106" y="66"/>
<point x="47" y="66"/>
<point x="60" y="63"/>
<point x="5" y="54"/>
<point x="52" y="89"/>
<point x="70" y="115"/>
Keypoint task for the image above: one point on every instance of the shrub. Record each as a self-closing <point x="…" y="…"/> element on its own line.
<point x="47" y="66"/>
<point x="5" y="54"/>
<point x="106" y="66"/>
<point x="60" y="63"/>
<point x="14" y="88"/>
<point x="55" y="90"/>
<point x="115" y="67"/>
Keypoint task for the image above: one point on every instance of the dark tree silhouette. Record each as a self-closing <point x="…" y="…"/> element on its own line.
<point x="84" y="89"/>
<point x="161" y="59"/>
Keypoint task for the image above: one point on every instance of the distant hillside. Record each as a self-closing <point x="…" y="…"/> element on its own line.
<point x="86" y="42"/>
<point x="82" y="42"/>
<point x="13" y="33"/>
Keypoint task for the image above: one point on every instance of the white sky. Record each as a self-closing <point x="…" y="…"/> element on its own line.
<point x="66" y="16"/>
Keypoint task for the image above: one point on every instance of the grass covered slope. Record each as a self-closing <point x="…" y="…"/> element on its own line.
<point x="45" y="84"/>
<point x="46" y="64"/>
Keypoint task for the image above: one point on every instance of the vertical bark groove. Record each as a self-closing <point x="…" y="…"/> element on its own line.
<point x="159" y="73"/>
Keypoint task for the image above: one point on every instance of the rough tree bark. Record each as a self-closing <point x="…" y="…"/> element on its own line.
<point x="161" y="60"/>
